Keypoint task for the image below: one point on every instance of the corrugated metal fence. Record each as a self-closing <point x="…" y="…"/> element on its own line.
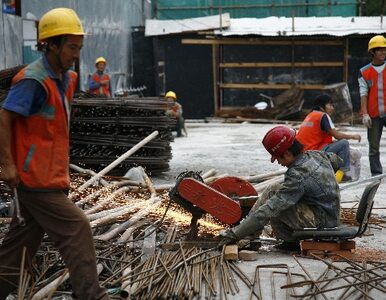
<point x="108" y="24"/>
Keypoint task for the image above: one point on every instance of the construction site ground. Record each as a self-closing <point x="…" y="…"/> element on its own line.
<point x="144" y="267"/>
<point x="236" y="150"/>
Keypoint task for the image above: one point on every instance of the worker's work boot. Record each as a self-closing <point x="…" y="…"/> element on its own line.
<point x="346" y="178"/>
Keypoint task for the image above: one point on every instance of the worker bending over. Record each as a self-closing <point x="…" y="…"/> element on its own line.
<point x="99" y="82"/>
<point x="317" y="132"/>
<point x="308" y="197"/>
<point x="34" y="159"/>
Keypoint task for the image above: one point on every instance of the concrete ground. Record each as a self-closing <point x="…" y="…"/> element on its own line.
<point x="236" y="150"/>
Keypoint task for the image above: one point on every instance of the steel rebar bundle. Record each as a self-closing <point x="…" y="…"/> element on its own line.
<point x="103" y="129"/>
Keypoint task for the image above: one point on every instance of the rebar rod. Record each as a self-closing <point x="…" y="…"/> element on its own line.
<point x="309" y="277"/>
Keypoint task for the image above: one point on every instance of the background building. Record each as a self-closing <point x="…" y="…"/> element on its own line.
<point x="228" y="62"/>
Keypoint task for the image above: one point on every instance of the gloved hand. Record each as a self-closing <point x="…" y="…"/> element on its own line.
<point x="366" y="120"/>
<point x="247" y="226"/>
<point x="227" y="237"/>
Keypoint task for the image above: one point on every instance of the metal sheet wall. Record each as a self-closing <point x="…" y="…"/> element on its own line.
<point x="11" y="41"/>
<point x="108" y="24"/>
<point x="171" y="9"/>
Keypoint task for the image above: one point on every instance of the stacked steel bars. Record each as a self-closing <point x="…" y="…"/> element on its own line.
<point x="6" y="76"/>
<point x="104" y="129"/>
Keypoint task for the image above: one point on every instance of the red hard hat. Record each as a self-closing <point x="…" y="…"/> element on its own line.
<point x="278" y="140"/>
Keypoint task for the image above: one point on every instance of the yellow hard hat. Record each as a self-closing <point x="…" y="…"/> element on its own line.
<point x="171" y="94"/>
<point x="59" y="21"/>
<point x="377" y="41"/>
<point x="100" y="59"/>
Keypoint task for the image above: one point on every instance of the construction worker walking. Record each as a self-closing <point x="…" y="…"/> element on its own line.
<point x="308" y="197"/>
<point x="372" y="82"/>
<point x="99" y="82"/>
<point x="34" y="159"/>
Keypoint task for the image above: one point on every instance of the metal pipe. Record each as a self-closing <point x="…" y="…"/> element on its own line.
<point x="356" y="183"/>
<point x="118" y="160"/>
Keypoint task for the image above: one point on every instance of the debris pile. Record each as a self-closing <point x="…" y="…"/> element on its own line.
<point x="289" y="105"/>
<point x="285" y="106"/>
<point x="104" y="129"/>
<point x="142" y="252"/>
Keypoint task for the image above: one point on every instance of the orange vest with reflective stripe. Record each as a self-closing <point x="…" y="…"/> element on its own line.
<point x="376" y="98"/>
<point x="103" y="89"/>
<point x="40" y="147"/>
<point x="310" y="133"/>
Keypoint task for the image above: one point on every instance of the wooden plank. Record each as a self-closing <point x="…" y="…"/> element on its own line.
<point x="327" y="246"/>
<point x="322" y="246"/>
<point x="283" y="64"/>
<point x="329" y="254"/>
<point x="270" y="86"/>
<point x="215" y="70"/>
<point x="347" y="245"/>
<point x="346" y="57"/>
<point x="231" y="252"/>
<point x="255" y="41"/>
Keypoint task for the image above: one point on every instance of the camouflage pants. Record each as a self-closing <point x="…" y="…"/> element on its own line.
<point x="296" y="217"/>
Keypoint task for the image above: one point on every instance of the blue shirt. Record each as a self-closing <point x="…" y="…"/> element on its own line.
<point x="28" y="96"/>
<point x="325" y="123"/>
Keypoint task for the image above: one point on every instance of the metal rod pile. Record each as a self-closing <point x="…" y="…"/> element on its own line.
<point x="120" y="213"/>
<point x="103" y="129"/>
<point x="181" y="274"/>
<point x="351" y="279"/>
<point x="6" y="76"/>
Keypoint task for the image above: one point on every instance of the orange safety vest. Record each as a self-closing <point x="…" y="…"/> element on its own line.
<point x="376" y="98"/>
<point x="310" y="133"/>
<point x="103" y="89"/>
<point x="40" y="147"/>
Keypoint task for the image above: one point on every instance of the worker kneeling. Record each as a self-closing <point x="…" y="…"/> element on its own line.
<point x="308" y="197"/>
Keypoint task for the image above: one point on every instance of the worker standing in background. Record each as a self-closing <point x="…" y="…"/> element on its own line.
<point x="176" y="112"/>
<point x="99" y="82"/>
<point x="308" y="197"/>
<point x="34" y="160"/>
<point x="372" y="82"/>
<point x="317" y="132"/>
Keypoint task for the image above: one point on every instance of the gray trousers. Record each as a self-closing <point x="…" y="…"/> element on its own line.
<point x="67" y="226"/>
<point x="296" y="217"/>
<point x="374" y="135"/>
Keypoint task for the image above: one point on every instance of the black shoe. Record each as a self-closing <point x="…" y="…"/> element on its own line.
<point x="288" y="246"/>
<point x="346" y="178"/>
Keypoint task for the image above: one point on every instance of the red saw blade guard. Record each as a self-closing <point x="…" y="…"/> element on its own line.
<point x="210" y="200"/>
<point x="233" y="186"/>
